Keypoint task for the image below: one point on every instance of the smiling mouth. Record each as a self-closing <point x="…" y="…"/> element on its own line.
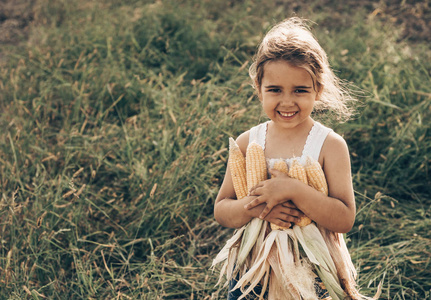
<point x="287" y="114"/>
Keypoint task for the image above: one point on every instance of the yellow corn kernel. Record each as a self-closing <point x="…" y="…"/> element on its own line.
<point x="297" y="171"/>
<point x="255" y="165"/>
<point x="280" y="165"/>
<point x="276" y="227"/>
<point x="316" y="177"/>
<point x="303" y="221"/>
<point x="237" y="169"/>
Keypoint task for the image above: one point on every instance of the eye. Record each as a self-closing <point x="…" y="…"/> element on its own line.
<point x="274" y="90"/>
<point x="301" y="91"/>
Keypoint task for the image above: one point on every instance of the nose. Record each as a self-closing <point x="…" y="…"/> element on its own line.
<point x="287" y="99"/>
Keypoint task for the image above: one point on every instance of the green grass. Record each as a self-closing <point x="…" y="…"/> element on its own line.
<point x="115" y="122"/>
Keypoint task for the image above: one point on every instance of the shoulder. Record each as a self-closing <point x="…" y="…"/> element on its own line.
<point x="335" y="148"/>
<point x="334" y="141"/>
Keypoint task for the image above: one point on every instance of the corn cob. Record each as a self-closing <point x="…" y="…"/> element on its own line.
<point x="237" y="169"/>
<point x="255" y="165"/>
<point x="280" y="165"/>
<point x="303" y="221"/>
<point x="256" y="172"/>
<point x="315" y="175"/>
<point x="276" y="227"/>
<point x="297" y="171"/>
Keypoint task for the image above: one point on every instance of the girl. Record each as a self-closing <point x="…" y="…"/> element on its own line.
<point x="292" y="78"/>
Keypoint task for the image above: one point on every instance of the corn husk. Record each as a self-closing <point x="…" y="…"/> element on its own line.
<point x="227" y="256"/>
<point x="341" y="257"/>
<point x="292" y="278"/>
<point x="292" y="275"/>
<point x="316" y="250"/>
<point x="251" y="233"/>
<point x="259" y="270"/>
<point x="283" y="262"/>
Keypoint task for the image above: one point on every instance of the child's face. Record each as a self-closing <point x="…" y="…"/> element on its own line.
<point x="287" y="93"/>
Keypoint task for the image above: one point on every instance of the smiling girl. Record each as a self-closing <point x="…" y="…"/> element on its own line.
<point x="292" y="78"/>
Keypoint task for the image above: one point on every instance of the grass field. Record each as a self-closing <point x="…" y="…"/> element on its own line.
<point x="115" y="120"/>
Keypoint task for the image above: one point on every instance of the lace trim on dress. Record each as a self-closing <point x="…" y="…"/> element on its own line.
<point x="315" y="140"/>
<point x="312" y="146"/>
<point x="314" y="131"/>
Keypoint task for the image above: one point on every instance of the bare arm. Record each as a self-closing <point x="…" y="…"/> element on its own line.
<point x="336" y="211"/>
<point x="229" y="211"/>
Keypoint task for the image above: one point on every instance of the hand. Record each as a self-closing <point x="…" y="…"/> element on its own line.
<point x="272" y="192"/>
<point x="284" y="214"/>
<point x="276" y="173"/>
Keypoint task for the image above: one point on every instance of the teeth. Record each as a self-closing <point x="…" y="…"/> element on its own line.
<point x="287" y="114"/>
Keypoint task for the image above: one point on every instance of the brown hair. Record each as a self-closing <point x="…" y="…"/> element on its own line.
<point x="292" y="41"/>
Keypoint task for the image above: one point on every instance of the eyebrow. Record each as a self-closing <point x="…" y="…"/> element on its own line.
<point x="296" y="87"/>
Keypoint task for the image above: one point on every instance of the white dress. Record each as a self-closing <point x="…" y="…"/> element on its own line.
<point x="313" y="145"/>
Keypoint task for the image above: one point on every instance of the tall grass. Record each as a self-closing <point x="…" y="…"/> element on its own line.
<point x="115" y="122"/>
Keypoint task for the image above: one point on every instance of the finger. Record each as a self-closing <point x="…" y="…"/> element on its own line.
<point x="291" y="219"/>
<point x="295" y="212"/>
<point x="275" y="173"/>
<point x="292" y="215"/>
<point x="253" y="203"/>
<point x="289" y="204"/>
<point x="253" y="189"/>
<point x="298" y="214"/>
<point x="282" y="223"/>
<point x="265" y="211"/>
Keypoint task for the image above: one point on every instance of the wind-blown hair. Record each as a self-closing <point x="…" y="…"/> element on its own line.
<point x="292" y="41"/>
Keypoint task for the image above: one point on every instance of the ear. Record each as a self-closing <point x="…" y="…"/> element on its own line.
<point x="319" y="93"/>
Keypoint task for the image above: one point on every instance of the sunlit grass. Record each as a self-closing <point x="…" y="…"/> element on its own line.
<point x="115" y="124"/>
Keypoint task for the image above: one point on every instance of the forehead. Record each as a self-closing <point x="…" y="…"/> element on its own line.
<point x="280" y="72"/>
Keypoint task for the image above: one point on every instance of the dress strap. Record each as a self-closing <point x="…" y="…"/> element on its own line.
<point x="315" y="140"/>
<point x="258" y="134"/>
